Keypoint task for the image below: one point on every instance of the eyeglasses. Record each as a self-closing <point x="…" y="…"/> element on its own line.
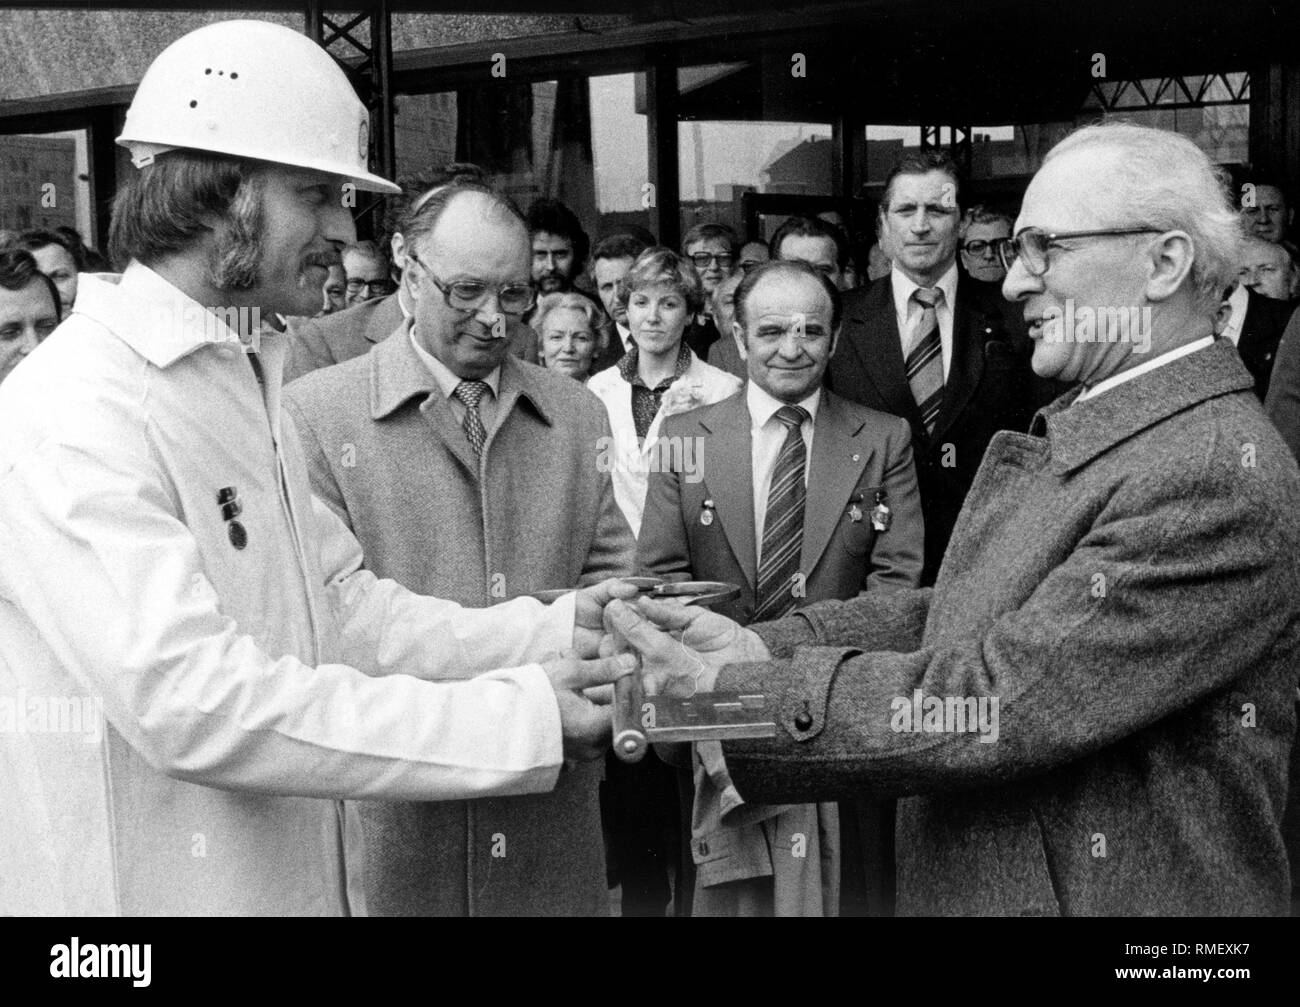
<point x="749" y="265"/>
<point x="702" y="259"/>
<point x="374" y="288"/>
<point x="1032" y="243"/>
<point x="468" y="295"/>
<point x="979" y="246"/>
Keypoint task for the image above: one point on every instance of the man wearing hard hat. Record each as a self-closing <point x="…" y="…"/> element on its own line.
<point x="194" y="666"/>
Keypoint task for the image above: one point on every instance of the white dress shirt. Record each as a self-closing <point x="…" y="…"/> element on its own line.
<point x="766" y="437"/>
<point x="1133" y="372"/>
<point x="1237" y="302"/>
<point x="909" y="311"/>
<point x="448" y="382"/>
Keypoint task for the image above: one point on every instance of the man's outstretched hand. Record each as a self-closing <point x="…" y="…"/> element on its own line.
<point x="586" y="724"/>
<point x="588" y="612"/>
<point x="681" y="647"/>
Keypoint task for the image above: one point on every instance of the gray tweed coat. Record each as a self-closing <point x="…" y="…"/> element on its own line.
<point x="1127" y="586"/>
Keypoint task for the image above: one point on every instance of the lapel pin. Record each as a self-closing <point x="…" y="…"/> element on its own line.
<point x="855" y="513"/>
<point x="881" y="515"/>
<point x="856" y="457"/>
<point x="231" y="508"/>
<point x="706" y="513"/>
<point x="238" y="537"/>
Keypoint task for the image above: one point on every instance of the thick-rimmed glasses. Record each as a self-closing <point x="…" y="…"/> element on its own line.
<point x="702" y="259"/>
<point x="1031" y="245"/>
<point x="469" y="295"/>
<point x="979" y="246"/>
<point x="373" y="288"/>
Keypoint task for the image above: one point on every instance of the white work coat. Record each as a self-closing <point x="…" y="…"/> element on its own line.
<point x="240" y="688"/>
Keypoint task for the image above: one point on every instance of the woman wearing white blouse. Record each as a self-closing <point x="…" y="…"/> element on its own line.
<point x="657" y="377"/>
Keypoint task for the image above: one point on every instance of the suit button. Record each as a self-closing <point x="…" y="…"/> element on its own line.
<point x="803" y="721"/>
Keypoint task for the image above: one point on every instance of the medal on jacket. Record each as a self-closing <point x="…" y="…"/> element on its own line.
<point x="881" y="515"/>
<point x="855" y="512"/>
<point x="706" y="513"/>
<point x="231" y="508"/>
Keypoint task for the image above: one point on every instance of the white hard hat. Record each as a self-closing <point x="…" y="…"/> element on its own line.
<point x="257" y="90"/>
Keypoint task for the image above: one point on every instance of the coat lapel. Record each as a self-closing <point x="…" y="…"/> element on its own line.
<point x="838" y="459"/>
<point x="397" y="374"/>
<point x="386" y="317"/>
<point x="970" y="329"/>
<point x="880" y="353"/>
<point x="729" y="479"/>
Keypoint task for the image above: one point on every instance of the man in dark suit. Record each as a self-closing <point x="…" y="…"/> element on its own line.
<point x="1091" y="711"/>
<point x="1255" y="324"/>
<point x="930" y="347"/>
<point x="857" y="525"/>
<point x="610" y="260"/>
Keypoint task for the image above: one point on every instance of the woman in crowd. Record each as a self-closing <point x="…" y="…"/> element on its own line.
<point x="571" y="338"/>
<point x="657" y="377"/>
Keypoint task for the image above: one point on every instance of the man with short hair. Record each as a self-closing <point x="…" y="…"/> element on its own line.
<point x="29" y="307"/>
<point x="1265" y="210"/>
<point x="787" y="504"/>
<point x="1091" y="711"/>
<point x="929" y="345"/>
<point x="712" y="250"/>
<point x="58" y="258"/>
<point x="610" y="260"/>
<point x="1266" y="268"/>
<point x="428" y="448"/>
<point x="729" y="353"/>
<point x="168" y="576"/>
<point x="335" y="290"/>
<point x="559" y="246"/>
<point x="752" y="253"/>
<point x="366" y="269"/>
<point x="818" y="242"/>
<point x="342" y="335"/>
<point x="981" y="230"/>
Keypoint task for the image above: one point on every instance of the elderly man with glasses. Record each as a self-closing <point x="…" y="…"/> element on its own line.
<point x="469" y="474"/>
<point x="1091" y="711"/>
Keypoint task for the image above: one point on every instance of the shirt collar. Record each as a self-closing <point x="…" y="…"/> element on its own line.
<point x="447" y="381"/>
<point x="763" y="405"/>
<point x="628" y="364"/>
<point x="1078" y="435"/>
<point x="1168" y="357"/>
<point x="156" y="319"/>
<point x="904" y="287"/>
<point x="1238" y="301"/>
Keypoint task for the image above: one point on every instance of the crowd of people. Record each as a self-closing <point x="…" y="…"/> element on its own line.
<point x="298" y="577"/>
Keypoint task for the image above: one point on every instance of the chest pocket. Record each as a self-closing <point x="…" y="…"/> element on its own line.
<point x="858" y="534"/>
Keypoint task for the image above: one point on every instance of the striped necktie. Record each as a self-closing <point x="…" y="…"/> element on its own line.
<point x="470" y="392"/>
<point x="778" y="567"/>
<point x="924" y="366"/>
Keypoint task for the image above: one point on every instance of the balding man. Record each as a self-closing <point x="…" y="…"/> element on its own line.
<point x="1257" y="310"/>
<point x="428" y="447"/>
<point x="1091" y="711"/>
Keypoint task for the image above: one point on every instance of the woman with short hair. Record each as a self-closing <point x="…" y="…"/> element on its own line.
<point x="658" y="376"/>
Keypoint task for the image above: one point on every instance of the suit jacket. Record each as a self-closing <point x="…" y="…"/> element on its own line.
<point x="700" y="335"/>
<point x="990" y="387"/>
<point x="331" y="339"/>
<point x="1129" y="592"/>
<point x="725" y="356"/>
<point x="385" y="452"/>
<point x="1261" y="331"/>
<point x="855" y="453"/>
<point x="612" y="353"/>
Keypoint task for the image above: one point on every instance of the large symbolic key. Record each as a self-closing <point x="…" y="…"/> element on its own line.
<point x="640" y="721"/>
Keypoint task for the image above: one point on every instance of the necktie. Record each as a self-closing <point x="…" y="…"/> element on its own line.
<point x="924" y="366"/>
<point x="783" y="527"/>
<point x="470" y="392"/>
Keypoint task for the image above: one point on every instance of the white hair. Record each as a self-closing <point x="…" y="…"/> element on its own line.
<point x="1163" y="180"/>
<point x="578" y="302"/>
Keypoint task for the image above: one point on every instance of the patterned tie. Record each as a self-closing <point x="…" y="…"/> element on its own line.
<point x="924" y="365"/>
<point x="470" y="392"/>
<point x="783" y="526"/>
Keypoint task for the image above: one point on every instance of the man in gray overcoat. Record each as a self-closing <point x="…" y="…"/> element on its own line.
<point x="1090" y="712"/>
<point x="466" y="472"/>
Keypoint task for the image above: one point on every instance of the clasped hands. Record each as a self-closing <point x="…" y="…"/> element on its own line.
<point x="677" y="649"/>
